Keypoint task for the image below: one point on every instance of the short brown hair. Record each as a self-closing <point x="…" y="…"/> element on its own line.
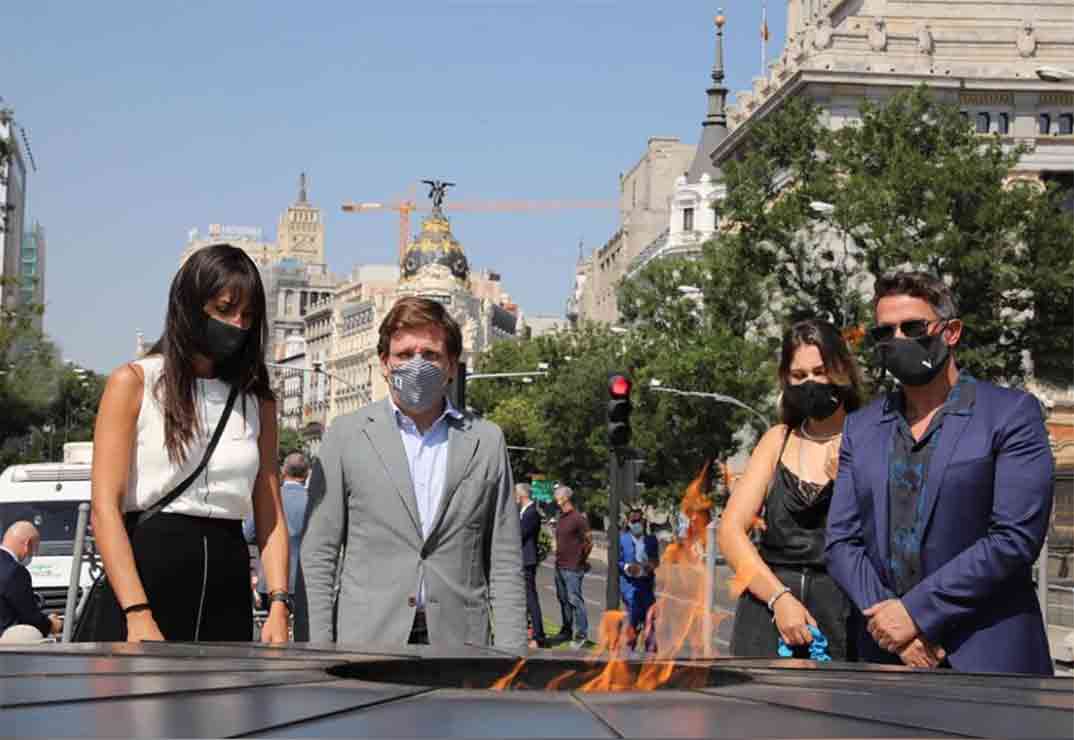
<point x="928" y="288"/>
<point x="413" y="312"/>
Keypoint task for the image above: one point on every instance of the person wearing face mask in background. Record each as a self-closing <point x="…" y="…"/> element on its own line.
<point x="639" y="557"/>
<point x="786" y="587"/>
<point x="183" y="572"/>
<point x="943" y="500"/>
<point x="20" y="617"/>
<point x="420" y="496"/>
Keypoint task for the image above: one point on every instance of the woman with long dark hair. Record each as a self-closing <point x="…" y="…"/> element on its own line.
<point x="790" y="476"/>
<point x="184" y="574"/>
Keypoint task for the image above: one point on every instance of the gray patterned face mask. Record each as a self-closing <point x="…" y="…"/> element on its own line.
<point x="419" y="384"/>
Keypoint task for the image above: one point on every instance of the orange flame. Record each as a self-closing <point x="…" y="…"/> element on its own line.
<point x="506" y="681"/>
<point x="677" y="620"/>
<point x="680" y="623"/>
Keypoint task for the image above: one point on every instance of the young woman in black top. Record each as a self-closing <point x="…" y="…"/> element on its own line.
<point x="788" y="485"/>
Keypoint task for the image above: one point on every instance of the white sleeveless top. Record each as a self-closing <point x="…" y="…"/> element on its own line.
<point x="224" y="489"/>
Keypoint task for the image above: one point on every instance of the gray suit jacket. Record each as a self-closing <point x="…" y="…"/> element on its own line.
<point x="361" y="497"/>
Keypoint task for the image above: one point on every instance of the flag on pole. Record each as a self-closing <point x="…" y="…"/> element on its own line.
<point x="764" y="22"/>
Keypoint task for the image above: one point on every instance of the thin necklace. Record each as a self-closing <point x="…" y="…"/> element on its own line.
<point x="811" y="438"/>
<point x="810" y="491"/>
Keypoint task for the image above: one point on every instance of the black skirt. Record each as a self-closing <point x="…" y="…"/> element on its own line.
<point x="196" y="576"/>
<point x="754" y="634"/>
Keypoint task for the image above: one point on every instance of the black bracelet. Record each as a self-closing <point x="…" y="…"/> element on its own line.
<point x="142" y="606"/>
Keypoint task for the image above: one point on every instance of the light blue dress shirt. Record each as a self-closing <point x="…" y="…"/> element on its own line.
<point x="427" y="456"/>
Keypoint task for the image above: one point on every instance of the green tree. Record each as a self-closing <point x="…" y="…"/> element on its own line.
<point x="908" y="184"/>
<point x="290" y="440"/>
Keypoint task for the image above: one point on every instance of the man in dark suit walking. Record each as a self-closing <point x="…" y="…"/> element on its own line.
<point x="531" y="530"/>
<point x="17" y="603"/>
<point x="942" y="500"/>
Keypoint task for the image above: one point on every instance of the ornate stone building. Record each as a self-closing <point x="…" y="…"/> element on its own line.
<point x="694" y="211"/>
<point x="645" y="194"/>
<point x="301" y="231"/>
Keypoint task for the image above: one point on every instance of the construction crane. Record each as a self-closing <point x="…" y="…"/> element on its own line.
<point x="406" y="205"/>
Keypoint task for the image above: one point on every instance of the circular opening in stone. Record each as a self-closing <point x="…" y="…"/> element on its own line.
<point x="540" y="674"/>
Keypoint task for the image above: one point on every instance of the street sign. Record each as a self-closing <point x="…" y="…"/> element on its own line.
<point x="541" y="490"/>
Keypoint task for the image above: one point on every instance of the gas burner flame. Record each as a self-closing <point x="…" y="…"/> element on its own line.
<point x="681" y="624"/>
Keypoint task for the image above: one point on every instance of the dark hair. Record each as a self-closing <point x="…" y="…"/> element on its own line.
<point x="413" y="312"/>
<point x="928" y="288"/>
<point x="842" y="368"/>
<point x="295" y="465"/>
<point x="207" y="272"/>
<point x="635" y="510"/>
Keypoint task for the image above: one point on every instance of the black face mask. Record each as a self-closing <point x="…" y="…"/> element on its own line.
<point x="914" y="361"/>
<point x="222" y="341"/>
<point x="813" y="400"/>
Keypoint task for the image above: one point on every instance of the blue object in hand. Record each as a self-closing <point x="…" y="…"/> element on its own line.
<point x="818" y="649"/>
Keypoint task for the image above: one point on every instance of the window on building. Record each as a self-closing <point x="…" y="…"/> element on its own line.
<point x="1066" y="124"/>
<point x="1003" y="123"/>
<point x="984" y="122"/>
<point x="688" y="219"/>
<point x="1044" y="124"/>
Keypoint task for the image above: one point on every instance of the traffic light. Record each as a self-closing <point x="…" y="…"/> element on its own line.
<point x="619" y="386"/>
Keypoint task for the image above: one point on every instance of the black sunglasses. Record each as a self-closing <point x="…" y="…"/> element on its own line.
<point x="912" y="329"/>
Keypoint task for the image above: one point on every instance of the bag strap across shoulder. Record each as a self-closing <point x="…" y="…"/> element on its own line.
<point x="176" y="492"/>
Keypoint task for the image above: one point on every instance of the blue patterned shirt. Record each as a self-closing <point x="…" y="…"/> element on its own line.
<point x="908" y="469"/>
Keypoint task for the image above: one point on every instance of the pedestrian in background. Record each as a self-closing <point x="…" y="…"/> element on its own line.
<point x="21" y="619"/>
<point x="573" y="544"/>
<point x="943" y="500"/>
<point x="790" y="477"/>
<point x="295" y="471"/>
<point x="639" y="557"/>
<point x="184" y="573"/>
<point x="531" y="530"/>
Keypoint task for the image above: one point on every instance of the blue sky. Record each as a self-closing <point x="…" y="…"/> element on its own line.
<point x="148" y="119"/>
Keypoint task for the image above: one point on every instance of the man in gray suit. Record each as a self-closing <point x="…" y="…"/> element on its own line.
<point x="419" y="494"/>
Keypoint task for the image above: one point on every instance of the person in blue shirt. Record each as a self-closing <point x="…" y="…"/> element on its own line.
<point x="293" y="491"/>
<point x="639" y="557"/>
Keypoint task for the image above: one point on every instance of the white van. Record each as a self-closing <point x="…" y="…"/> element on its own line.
<point x="48" y="495"/>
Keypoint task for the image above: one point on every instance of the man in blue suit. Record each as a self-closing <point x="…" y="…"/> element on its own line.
<point x="942" y="500"/>
<point x="639" y="557"/>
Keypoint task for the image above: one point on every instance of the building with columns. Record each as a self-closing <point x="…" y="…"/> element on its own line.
<point x="645" y="194"/>
<point x="694" y="211"/>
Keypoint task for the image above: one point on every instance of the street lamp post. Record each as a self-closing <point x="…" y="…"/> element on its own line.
<point x="656" y="385"/>
<point x="481" y="376"/>
<point x="83" y="382"/>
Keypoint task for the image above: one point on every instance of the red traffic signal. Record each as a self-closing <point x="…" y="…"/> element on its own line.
<point x="619" y="386"/>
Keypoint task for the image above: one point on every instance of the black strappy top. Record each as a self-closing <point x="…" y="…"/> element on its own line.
<point x="796" y="514"/>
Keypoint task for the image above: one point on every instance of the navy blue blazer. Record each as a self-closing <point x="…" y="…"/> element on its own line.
<point x="530" y="527"/>
<point x="987" y="503"/>
<point x="17" y="602"/>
